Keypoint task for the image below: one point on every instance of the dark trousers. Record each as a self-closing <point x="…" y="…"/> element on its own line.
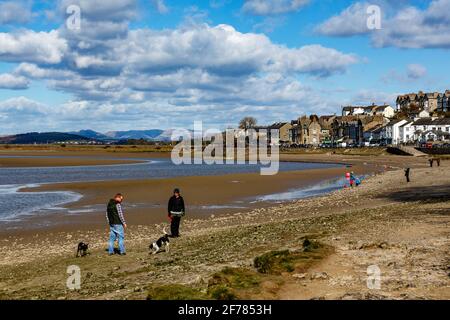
<point x="407" y="179"/>
<point x="175" y="226"/>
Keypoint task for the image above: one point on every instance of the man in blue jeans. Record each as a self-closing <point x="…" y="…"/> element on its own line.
<point x="117" y="224"/>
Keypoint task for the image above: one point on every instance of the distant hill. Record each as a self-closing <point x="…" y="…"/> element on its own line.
<point x="42" y="138"/>
<point x="91" y="134"/>
<point x="135" y="134"/>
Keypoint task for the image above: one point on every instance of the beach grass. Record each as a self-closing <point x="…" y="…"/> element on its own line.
<point x="175" y="292"/>
<point x="271" y="270"/>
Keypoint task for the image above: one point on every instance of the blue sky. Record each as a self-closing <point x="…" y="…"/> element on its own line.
<point x="141" y="64"/>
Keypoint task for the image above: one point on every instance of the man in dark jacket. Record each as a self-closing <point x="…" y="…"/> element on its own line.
<point x="117" y="224"/>
<point x="175" y="211"/>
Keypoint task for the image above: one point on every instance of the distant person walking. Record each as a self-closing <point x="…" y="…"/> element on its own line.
<point x="407" y="174"/>
<point x="117" y="224"/>
<point x="352" y="179"/>
<point x="431" y="162"/>
<point x="438" y="160"/>
<point x="175" y="211"/>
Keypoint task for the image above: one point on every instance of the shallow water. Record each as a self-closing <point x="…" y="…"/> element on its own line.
<point x="306" y="192"/>
<point x="16" y="205"/>
<point x="157" y="168"/>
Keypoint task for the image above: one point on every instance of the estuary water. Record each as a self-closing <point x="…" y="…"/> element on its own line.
<point x="16" y="204"/>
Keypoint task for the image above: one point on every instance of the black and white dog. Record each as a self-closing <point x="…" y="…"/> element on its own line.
<point x="82" y="249"/>
<point x="160" y="243"/>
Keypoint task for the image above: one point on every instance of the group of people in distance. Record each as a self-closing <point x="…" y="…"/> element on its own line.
<point x="117" y="224"/>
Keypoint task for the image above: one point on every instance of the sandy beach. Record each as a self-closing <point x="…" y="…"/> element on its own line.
<point x="146" y="199"/>
<point x="401" y="228"/>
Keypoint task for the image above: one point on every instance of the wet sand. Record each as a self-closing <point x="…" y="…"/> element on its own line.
<point x="402" y="228"/>
<point x="145" y="200"/>
<point x="58" y="162"/>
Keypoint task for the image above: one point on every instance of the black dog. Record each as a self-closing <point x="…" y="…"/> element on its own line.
<point x="82" y="249"/>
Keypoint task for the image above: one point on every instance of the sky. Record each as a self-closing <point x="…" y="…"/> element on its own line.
<point x="68" y="65"/>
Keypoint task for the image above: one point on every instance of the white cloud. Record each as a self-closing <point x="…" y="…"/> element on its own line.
<point x="438" y="12"/>
<point x="30" y="46"/>
<point x="160" y="6"/>
<point x="416" y="71"/>
<point x="9" y="81"/>
<point x="22" y="106"/>
<point x="367" y="96"/>
<point x="148" y="63"/>
<point x="111" y="10"/>
<point x="413" y="73"/>
<point x="272" y="7"/>
<point x="15" y="12"/>
<point x="409" y="27"/>
<point x="352" y="21"/>
<point x="149" y="77"/>
<point x="223" y="50"/>
<point x="32" y="71"/>
<point x="414" y="28"/>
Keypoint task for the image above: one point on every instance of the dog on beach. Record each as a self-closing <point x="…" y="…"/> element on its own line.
<point x="82" y="249"/>
<point x="162" y="242"/>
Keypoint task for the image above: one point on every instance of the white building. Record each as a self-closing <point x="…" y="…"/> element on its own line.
<point x="431" y="129"/>
<point x="354" y="111"/>
<point x="406" y="132"/>
<point x="392" y="131"/>
<point x="386" y="111"/>
<point x="373" y="110"/>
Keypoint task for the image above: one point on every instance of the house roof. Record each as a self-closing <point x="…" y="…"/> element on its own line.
<point x="380" y="108"/>
<point x="375" y="129"/>
<point x="442" y="121"/>
<point x="406" y="123"/>
<point x="351" y="108"/>
<point x="432" y="95"/>
<point x="277" y="125"/>
<point x="431" y="122"/>
<point x="423" y="122"/>
<point x="326" y="121"/>
<point x="394" y="122"/>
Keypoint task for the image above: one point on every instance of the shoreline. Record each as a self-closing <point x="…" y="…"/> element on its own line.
<point x="147" y="198"/>
<point x="62" y="161"/>
<point x="232" y="193"/>
<point x="400" y="227"/>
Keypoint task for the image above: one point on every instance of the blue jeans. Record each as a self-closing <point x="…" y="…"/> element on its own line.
<point x="116" y="232"/>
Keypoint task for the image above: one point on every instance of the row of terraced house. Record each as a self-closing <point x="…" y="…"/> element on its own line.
<point x="417" y="117"/>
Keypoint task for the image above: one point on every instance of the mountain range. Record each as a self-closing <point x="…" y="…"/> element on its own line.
<point x="88" y="135"/>
<point x="149" y="135"/>
<point x="42" y="138"/>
